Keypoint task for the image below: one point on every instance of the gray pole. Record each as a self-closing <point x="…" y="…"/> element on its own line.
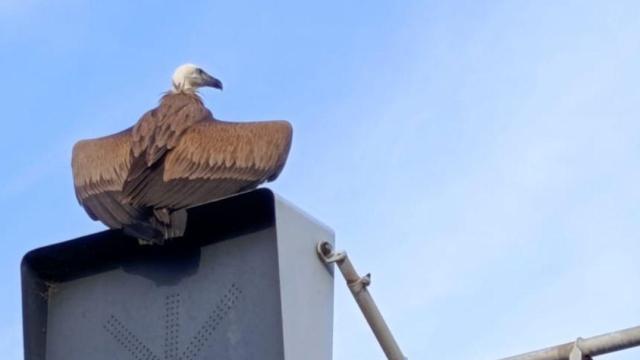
<point x="358" y="286"/>
<point x="584" y="349"/>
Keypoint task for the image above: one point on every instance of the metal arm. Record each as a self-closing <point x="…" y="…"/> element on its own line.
<point x="358" y="287"/>
<point x="585" y="349"/>
<point x="581" y="349"/>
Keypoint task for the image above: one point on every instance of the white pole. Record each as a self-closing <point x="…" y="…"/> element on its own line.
<point x="358" y="286"/>
<point x="583" y="349"/>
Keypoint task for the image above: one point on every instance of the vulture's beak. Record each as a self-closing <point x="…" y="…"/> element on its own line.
<point x="208" y="80"/>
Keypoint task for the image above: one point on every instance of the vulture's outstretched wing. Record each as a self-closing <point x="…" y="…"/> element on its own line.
<point x="100" y="167"/>
<point x="214" y="159"/>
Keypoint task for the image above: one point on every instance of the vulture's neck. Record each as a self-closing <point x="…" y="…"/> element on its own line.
<point x="181" y="95"/>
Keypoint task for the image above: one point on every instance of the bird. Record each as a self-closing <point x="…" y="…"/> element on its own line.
<point x="176" y="156"/>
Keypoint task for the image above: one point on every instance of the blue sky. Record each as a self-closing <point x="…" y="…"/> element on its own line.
<point x="481" y="159"/>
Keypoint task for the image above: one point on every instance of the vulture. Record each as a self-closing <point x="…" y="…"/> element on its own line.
<point x="176" y="156"/>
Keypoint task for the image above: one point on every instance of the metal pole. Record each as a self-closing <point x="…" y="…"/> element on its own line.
<point x="358" y="286"/>
<point x="584" y="349"/>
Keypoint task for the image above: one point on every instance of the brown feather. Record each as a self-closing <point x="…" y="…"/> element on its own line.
<point x="253" y="152"/>
<point x="101" y="164"/>
<point x="158" y="131"/>
<point x="176" y="156"/>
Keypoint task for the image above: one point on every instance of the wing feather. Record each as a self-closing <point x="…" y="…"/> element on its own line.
<point x="213" y="159"/>
<point x="252" y="152"/>
<point x="156" y="133"/>
<point x="101" y="165"/>
<point x="160" y="129"/>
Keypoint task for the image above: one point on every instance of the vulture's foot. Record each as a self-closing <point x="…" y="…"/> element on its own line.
<point x="163" y="215"/>
<point x="162" y="226"/>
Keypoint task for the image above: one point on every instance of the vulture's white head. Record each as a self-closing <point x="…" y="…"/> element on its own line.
<point x="189" y="77"/>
